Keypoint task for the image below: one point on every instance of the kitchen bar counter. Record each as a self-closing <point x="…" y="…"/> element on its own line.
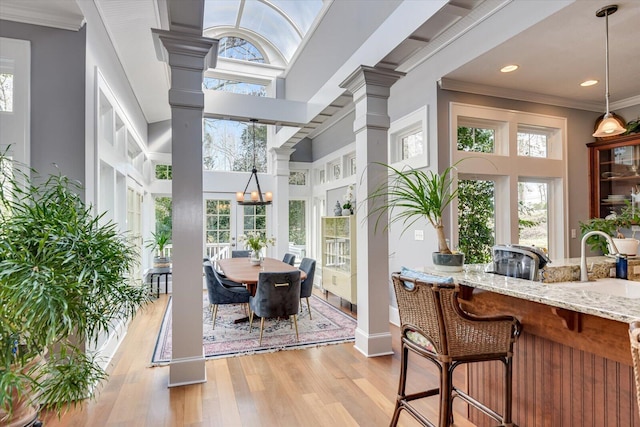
<point x="572" y="361"/>
<point x="552" y="294"/>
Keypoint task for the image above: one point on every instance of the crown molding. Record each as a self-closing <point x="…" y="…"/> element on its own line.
<point x="35" y="14"/>
<point x="519" y="95"/>
<point x="624" y="103"/>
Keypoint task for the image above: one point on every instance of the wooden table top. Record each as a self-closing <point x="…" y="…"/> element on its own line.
<point x="242" y="271"/>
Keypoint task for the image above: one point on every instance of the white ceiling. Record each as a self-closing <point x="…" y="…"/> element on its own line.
<point x="559" y="53"/>
<point x="554" y="55"/>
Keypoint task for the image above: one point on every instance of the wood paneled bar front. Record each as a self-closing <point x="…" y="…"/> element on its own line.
<point x="572" y="362"/>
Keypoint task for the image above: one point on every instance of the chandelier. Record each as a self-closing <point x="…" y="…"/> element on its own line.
<point x="609" y="126"/>
<point x="256" y="197"/>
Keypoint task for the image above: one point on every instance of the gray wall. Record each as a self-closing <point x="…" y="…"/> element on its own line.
<point x="334" y="138"/>
<point x="303" y="151"/>
<point x="57" y="97"/>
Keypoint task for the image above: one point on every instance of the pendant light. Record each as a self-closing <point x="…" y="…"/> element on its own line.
<point x="609" y="126"/>
<point x="256" y="197"/>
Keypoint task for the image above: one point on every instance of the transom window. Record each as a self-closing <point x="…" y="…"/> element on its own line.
<point x="234" y="86"/>
<point x="228" y="146"/>
<point x="476" y="139"/>
<point x="298" y="178"/>
<point x="163" y="172"/>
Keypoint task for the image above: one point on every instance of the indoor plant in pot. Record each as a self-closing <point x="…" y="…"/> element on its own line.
<point x="611" y="225"/>
<point x="63" y="282"/>
<point x="158" y="243"/>
<point x="412" y="195"/>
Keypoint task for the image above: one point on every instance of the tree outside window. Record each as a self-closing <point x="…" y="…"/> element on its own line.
<point x="229" y="146"/>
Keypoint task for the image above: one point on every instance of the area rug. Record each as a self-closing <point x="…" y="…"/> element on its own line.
<point x="329" y="325"/>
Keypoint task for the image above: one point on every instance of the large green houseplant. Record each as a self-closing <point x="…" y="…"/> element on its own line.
<point x="411" y="195"/>
<point x="612" y="225"/>
<point x="63" y="282"/>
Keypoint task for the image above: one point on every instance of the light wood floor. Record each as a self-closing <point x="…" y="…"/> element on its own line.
<point x="324" y="386"/>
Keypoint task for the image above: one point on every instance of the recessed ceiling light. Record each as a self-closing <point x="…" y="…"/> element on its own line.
<point x="588" y="83"/>
<point x="508" y="68"/>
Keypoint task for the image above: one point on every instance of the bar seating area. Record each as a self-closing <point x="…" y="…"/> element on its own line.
<point x="434" y="326"/>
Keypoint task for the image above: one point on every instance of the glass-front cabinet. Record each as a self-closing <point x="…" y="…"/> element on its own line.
<point x="614" y="173"/>
<point x="339" y="256"/>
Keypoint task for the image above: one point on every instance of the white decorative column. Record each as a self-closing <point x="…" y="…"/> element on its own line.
<point x="188" y="58"/>
<point x="370" y="88"/>
<point x="280" y="161"/>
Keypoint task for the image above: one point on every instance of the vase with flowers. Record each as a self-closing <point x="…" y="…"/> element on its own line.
<point x="255" y="242"/>
<point x="347" y="206"/>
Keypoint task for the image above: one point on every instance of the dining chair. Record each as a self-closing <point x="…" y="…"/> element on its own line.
<point x="221" y="294"/>
<point x="277" y="295"/>
<point x="240" y="254"/>
<point x="434" y="326"/>
<point x="289" y="258"/>
<point x="634" y="336"/>
<point x="307" y="265"/>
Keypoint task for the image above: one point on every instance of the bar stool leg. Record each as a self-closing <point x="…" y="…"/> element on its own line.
<point x="401" y="385"/>
<point x="508" y="388"/>
<point x="445" y="394"/>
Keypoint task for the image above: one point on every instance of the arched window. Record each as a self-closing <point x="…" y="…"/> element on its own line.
<point x="238" y="48"/>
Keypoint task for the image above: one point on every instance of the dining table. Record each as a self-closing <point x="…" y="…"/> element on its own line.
<point x="241" y="270"/>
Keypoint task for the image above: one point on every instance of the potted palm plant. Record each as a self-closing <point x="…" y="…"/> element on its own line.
<point x="158" y="243"/>
<point x="411" y="195"/>
<point x="63" y="282"/>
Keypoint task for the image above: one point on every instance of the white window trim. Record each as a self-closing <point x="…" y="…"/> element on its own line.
<point x="16" y="58"/>
<point x="506" y="170"/>
<point x="411" y="123"/>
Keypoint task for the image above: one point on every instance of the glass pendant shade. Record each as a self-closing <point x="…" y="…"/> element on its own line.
<point x="609" y="126"/>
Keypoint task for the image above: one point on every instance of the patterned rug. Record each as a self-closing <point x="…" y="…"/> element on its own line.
<point x="328" y="326"/>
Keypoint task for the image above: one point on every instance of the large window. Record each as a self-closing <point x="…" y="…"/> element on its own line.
<point x="297" y="228"/>
<point x="512" y="181"/>
<point x="229" y="146"/>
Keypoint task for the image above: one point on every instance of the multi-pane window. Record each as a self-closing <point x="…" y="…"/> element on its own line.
<point x="6" y="92"/>
<point x="218" y="221"/>
<point x="229" y="146"/>
<point x="335" y="171"/>
<point x="411" y="145"/>
<point x="255" y="219"/>
<point x="522" y="156"/>
<point x="163" y="172"/>
<point x="297" y="178"/>
<point x="321" y="177"/>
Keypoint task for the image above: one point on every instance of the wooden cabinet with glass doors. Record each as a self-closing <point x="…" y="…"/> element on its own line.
<point x="339" y="256"/>
<point x="614" y="173"/>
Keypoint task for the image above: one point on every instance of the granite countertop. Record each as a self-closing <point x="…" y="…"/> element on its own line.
<point x="552" y="294"/>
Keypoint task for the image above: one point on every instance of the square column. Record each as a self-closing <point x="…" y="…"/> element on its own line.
<point x="187" y="57"/>
<point x="280" y="161"/>
<point x="370" y="88"/>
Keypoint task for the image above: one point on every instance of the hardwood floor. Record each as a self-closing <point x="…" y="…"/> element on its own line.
<point x="324" y="386"/>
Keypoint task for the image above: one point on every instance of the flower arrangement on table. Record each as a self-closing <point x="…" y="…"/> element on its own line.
<point x="256" y="241"/>
<point x="348" y="199"/>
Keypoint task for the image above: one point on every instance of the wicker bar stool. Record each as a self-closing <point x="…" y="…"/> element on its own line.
<point x="434" y="326"/>
<point x="634" y="335"/>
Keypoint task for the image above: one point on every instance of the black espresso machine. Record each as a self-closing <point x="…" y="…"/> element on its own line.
<point x="518" y="261"/>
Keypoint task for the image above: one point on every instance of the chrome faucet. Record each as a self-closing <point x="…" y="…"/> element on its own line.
<point x="584" y="274"/>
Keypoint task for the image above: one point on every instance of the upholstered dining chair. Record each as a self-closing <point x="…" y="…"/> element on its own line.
<point x="307" y="265"/>
<point x="277" y="295"/>
<point x="240" y="254"/>
<point x="289" y="258"/>
<point x="634" y="335"/>
<point x="434" y="326"/>
<point x="221" y="294"/>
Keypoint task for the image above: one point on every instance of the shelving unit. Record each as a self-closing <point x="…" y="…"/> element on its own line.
<point x="614" y="171"/>
<point x="339" y="256"/>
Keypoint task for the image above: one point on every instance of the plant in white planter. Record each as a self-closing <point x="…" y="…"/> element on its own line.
<point x="413" y="194"/>
<point x="63" y="282"/>
<point x="611" y="225"/>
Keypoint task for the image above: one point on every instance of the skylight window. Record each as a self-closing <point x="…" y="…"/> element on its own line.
<point x="238" y="48"/>
<point x="280" y="25"/>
